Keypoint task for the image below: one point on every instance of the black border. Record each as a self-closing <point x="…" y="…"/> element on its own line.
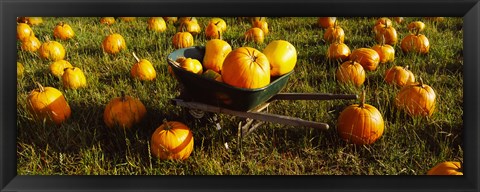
<point x="468" y="9"/>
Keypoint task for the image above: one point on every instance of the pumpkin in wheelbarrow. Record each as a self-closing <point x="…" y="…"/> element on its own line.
<point x="246" y="67"/>
<point x="282" y="56"/>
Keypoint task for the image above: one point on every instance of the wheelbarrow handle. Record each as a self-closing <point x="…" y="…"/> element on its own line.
<point x="287" y="120"/>
<point x="312" y="96"/>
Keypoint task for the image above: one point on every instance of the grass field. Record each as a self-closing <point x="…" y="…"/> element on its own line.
<point x="83" y="145"/>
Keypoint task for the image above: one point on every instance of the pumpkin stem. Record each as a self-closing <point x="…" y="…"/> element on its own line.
<point x="122" y="96"/>
<point x="219" y="34"/>
<point x="40" y="86"/>
<point x="167" y="124"/>
<point x="136" y="58"/>
<point x="406" y="67"/>
<point x="110" y="29"/>
<point x="383" y="39"/>
<point x="417" y="31"/>
<point x="421" y="82"/>
<point x="362" y="97"/>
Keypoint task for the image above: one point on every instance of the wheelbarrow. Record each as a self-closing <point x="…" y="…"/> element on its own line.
<point x="201" y="94"/>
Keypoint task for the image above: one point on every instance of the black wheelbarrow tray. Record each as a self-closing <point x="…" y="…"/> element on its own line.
<point x="201" y="93"/>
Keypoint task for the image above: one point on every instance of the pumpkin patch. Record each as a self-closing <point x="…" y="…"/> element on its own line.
<point x="242" y="96"/>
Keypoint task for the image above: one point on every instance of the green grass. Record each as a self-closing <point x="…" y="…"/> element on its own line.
<point x="83" y="145"/>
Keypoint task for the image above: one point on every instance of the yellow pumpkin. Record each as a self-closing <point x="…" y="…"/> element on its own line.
<point x="142" y="69"/>
<point x="30" y="44"/>
<point x="124" y="112"/>
<point x="107" y="20"/>
<point x="416" y="26"/>
<point x="57" y="68"/>
<point x="156" y="24"/>
<point x="114" y="43"/>
<point x="73" y="78"/>
<point x="254" y="34"/>
<point x="446" y="168"/>
<point x="182" y="40"/>
<point x="399" y="76"/>
<point x="351" y="72"/>
<point x="215" y="52"/>
<point x="24" y="31"/>
<point x="282" y="57"/>
<point x="51" y="50"/>
<point x="63" y="31"/>
<point x="382" y="23"/>
<point x="190" y="64"/>
<point x="34" y="20"/>
<point x="211" y="74"/>
<point x="360" y="124"/>
<point x="48" y="104"/>
<point x="246" y="67"/>
<point x="416" y="99"/>
<point x="172" y="140"/>
<point x="220" y="23"/>
<point x="368" y="58"/>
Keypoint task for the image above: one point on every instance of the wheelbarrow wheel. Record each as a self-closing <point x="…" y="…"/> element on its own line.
<point x="198" y="114"/>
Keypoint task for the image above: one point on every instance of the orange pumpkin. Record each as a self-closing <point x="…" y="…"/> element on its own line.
<point x="446" y="168"/>
<point x="246" y="67"/>
<point x="282" y="57"/>
<point x="262" y="24"/>
<point x="156" y="24"/>
<point x="124" y="112"/>
<point x="172" y="140"/>
<point x="142" y="69"/>
<point x="57" y="68"/>
<point x="254" y="34"/>
<point x="360" y="124"/>
<point x="399" y="76"/>
<point x="107" y="20"/>
<point x="24" y="31"/>
<point x="182" y="40"/>
<point x="189" y="64"/>
<point x="351" y="72"/>
<point x="399" y="19"/>
<point x="368" y="58"/>
<point x="334" y="34"/>
<point x="30" y="44"/>
<point x="416" y="99"/>
<point x="326" y="22"/>
<point x="114" y="43"/>
<point x="385" y="51"/>
<point x="170" y="20"/>
<point x="48" y="104"/>
<point x="338" y="51"/>
<point x="63" y="31"/>
<point x="190" y="26"/>
<point x="73" y="78"/>
<point x="212" y="31"/>
<point x="51" y="50"/>
<point x="185" y="19"/>
<point x="215" y="52"/>
<point x="415" y="43"/>
<point x="387" y="35"/>
<point x="380" y="23"/>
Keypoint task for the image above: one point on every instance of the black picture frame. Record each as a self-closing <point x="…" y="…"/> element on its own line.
<point x="468" y="9"/>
